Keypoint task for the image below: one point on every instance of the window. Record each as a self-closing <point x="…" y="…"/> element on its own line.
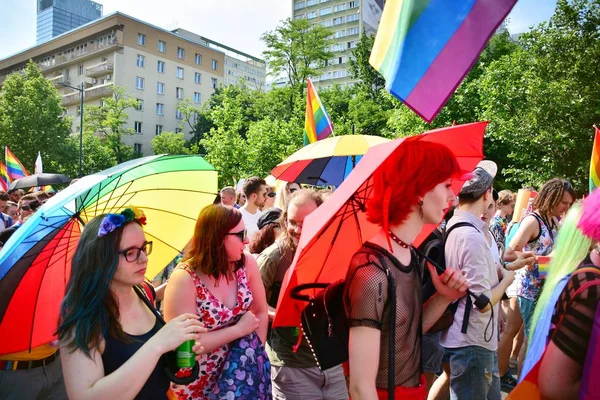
<point x="178" y="130"/>
<point x="180" y="53"/>
<point x="160" y="66"/>
<point x="141" y="39"/>
<point x="196" y="97"/>
<point x="325" y="11"/>
<point x="139" y="82"/>
<point x="213" y="83"/>
<point x="137" y="147"/>
<point x="178" y="114"/>
<point x="339" y="20"/>
<point x="312" y="14"/>
<point x="299" y="5"/>
<point x="352" y="17"/>
<point x="340" y="34"/>
<point x="159" y="129"/>
<point x="339" y="7"/>
<point x="140" y="105"/>
<point x="180" y="72"/>
<point x="327" y="23"/>
<point x="215" y="65"/>
<point x="138" y="126"/>
<point x="141" y="61"/>
<point x="352" y="31"/>
<point x="162" y="46"/>
<point x="352" y="4"/>
<point x="160" y="108"/>
<point x="198" y="78"/>
<point x="160" y="88"/>
<point x="352" y="44"/>
<point x="311" y="2"/>
<point x="198" y="59"/>
<point x="301" y="16"/>
<point x="80" y="69"/>
<point x="179" y="93"/>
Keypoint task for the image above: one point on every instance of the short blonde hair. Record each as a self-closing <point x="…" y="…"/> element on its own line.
<point x="505" y="197"/>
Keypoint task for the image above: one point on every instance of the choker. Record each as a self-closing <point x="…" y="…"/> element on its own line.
<point x="398" y="240"/>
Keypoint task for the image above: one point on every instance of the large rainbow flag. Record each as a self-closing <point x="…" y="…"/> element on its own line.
<point x="424" y="48"/>
<point x="4" y="181"/>
<point x="15" y="169"/>
<point x="595" y="162"/>
<point x="317" y="124"/>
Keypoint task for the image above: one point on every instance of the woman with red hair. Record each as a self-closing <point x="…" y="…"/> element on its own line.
<point x="220" y="282"/>
<point x="411" y="188"/>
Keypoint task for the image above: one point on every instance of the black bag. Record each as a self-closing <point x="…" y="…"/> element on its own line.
<point x="434" y="248"/>
<point x="325" y="327"/>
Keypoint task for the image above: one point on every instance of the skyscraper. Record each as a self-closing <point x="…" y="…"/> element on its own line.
<point x="55" y="17"/>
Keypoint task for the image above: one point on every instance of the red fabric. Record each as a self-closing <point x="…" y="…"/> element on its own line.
<point x="402" y="393"/>
<point x="31" y="317"/>
<point x="336" y="230"/>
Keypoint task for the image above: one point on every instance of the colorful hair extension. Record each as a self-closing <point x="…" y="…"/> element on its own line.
<point x="571" y="248"/>
<point x="590" y="217"/>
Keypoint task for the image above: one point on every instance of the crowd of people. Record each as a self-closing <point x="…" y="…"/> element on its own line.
<point x="461" y="334"/>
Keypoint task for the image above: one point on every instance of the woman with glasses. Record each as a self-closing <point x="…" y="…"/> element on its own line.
<point x="111" y="341"/>
<point x="220" y="282"/>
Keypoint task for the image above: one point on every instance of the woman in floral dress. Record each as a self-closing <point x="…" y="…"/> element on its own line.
<point x="220" y="282"/>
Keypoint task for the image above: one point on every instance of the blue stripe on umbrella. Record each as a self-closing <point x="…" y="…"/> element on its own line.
<point x="334" y="172"/>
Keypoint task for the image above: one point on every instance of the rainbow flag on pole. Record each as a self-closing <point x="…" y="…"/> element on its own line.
<point x="595" y="162"/>
<point x="424" y="48"/>
<point x="4" y="181"/>
<point x="15" y="169"/>
<point x="317" y="124"/>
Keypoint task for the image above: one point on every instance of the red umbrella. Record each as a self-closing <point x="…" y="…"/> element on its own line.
<point x="337" y="229"/>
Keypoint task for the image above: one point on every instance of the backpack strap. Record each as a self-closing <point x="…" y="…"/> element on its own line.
<point x="143" y="294"/>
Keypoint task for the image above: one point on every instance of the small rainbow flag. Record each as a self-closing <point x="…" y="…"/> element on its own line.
<point x="4" y="181"/>
<point x="424" y="48"/>
<point x="15" y="169"/>
<point x="543" y="266"/>
<point x="317" y="124"/>
<point x="595" y="162"/>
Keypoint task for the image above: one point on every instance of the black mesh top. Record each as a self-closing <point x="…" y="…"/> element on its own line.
<point x="365" y="301"/>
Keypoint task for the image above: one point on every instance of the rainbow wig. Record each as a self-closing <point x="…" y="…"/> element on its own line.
<point x="571" y="248"/>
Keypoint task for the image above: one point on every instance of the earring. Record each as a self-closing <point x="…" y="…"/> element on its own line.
<point x="421" y="208"/>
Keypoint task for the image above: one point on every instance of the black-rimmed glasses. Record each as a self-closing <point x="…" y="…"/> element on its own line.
<point x="132" y="254"/>
<point x="242" y="235"/>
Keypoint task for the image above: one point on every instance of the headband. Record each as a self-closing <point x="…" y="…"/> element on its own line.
<point x="113" y="221"/>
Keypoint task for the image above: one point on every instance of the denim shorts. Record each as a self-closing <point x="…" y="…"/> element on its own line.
<point x="432" y="352"/>
<point x="527" y="308"/>
<point x="473" y="373"/>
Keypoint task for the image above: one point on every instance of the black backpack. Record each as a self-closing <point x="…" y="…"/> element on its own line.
<point x="433" y="247"/>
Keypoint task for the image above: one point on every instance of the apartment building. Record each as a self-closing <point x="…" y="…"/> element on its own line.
<point x="156" y="66"/>
<point x="55" y="17"/>
<point x="348" y="20"/>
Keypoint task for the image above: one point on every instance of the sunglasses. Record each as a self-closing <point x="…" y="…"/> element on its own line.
<point x="242" y="235"/>
<point x="271" y="194"/>
<point x="133" y="254"/>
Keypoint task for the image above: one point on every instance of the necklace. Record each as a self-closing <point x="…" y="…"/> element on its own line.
<point x="398" y="240"/>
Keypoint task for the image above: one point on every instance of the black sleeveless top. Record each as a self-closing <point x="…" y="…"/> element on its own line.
<point x="116" y="353"/>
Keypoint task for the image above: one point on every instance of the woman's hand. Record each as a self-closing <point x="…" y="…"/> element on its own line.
<point x="451" y="284"/>
<point x="247" y="324"/>
<point x="178" y="330"/>
<point x="524" y="259"/>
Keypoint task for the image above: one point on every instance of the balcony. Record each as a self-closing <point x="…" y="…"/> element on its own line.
<point x="99" y="91"/>
<point x="99" y="69"/>
<point x="70" y="98"/>
<point x="57" y="80"/>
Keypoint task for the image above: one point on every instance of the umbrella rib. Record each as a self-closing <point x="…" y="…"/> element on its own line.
<point x="157" y="190"/>
<point x="165" y="243"/>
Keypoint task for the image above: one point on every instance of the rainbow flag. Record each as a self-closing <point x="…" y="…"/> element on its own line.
<point x="317" y="124"/>
<point x="424" y="48"/>
<point x="595" y="162"/>
<point x="15" y="169"/>
<point x="4" y="181"/>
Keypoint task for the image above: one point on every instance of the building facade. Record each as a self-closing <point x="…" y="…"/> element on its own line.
<point x="348" y="20"/>
<point x="158" y="67"/>
<point x="55" y="17"/>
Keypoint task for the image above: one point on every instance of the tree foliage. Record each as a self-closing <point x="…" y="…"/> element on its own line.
<point x="172" y="143"/>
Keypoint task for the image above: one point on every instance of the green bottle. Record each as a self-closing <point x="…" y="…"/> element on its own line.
<point x="186" y="358"/>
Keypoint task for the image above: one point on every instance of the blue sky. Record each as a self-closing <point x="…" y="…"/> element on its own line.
<point x="236" y="23"/>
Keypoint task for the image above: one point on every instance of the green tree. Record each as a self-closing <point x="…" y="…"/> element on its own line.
<point x="172" y="143"/>
<point x="109" y="119"/>
<point x="369" y="79"/>
<point x="226" y="151"/>
<point x="297" y="50"/>
<point x="31" y="117"/>
<point x="97" y="155"/>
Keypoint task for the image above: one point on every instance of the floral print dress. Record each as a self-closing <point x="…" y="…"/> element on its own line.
<point x="214" y="315"/>
<point x="528" y="281"/>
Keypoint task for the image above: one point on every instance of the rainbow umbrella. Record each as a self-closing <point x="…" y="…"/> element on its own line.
<point x="326" y="162"/>
<point x="35" y="263"/>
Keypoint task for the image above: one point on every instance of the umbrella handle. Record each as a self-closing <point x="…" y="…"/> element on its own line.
<point x="295" y="292"/>
<point x="481" y="301"/>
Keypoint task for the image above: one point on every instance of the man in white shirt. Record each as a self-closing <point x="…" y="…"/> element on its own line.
<point x="255" y="189"/>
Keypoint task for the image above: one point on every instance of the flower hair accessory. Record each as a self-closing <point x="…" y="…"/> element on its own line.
<point x="114" y="221"/>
